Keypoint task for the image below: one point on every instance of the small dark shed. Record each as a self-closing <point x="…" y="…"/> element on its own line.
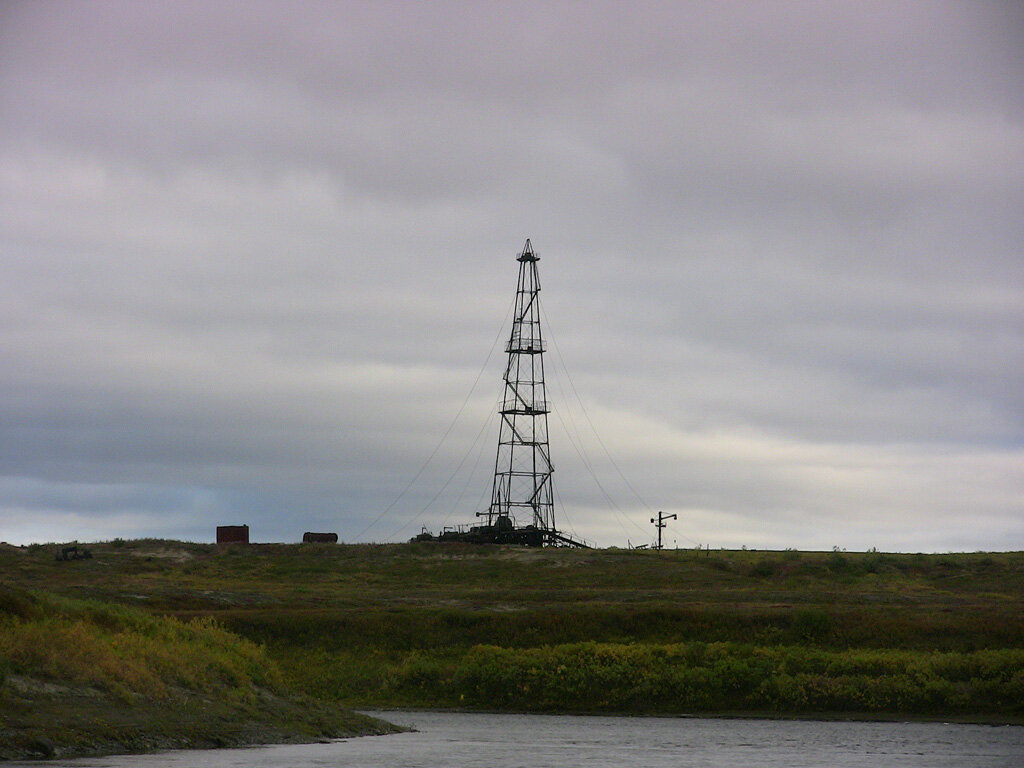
<point x="232" y="534"/>
<point x="319" y="538"/>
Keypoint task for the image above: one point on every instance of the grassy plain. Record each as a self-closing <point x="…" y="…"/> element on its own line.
<point x="431" y="625"/>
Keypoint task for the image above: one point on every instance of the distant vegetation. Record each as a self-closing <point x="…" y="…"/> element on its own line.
<point x="431" y="625"/>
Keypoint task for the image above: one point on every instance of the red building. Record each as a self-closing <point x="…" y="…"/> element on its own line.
<point x="232" y="534"/>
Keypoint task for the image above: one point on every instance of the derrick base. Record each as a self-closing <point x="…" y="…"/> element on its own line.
<point x="502" y="532"/>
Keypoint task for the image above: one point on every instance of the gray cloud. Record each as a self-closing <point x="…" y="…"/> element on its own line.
<point x="253" y="257"/>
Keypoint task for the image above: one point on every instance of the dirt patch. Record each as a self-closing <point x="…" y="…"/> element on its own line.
<point x="21" y="685"/>
<point x="177" y="555"/>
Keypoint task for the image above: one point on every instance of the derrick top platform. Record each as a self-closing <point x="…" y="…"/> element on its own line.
<point x="528" y="253"/>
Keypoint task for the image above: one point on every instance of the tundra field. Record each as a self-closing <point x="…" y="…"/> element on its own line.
<point x="268" y="631"/>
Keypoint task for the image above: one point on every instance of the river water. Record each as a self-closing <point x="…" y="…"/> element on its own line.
<point x="461" y="740"/>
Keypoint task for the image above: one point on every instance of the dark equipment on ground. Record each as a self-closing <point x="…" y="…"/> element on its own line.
<point x="319" y="538"/>
<point x="503" y="532"/>
<point x="73" y="553"/>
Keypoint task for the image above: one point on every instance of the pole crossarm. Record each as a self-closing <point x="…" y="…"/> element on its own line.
<point x="660" y="523"/>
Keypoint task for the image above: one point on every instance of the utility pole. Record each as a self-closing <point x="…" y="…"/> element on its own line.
<point x="660" y="524"/>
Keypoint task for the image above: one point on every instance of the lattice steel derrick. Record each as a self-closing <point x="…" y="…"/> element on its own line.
<point x="522" y="493"/>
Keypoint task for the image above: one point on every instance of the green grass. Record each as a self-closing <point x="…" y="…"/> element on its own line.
<point x="420" y="624"/>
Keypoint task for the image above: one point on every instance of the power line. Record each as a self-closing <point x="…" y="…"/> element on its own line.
<point x="597" y="481"/>
<point x="586" y="414"/>
<point x="444" y="437"/>
<point x="472" y="473"/>
<point x="444" y="485"/>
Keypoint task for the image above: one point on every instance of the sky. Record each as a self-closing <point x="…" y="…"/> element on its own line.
<point x="257" y="261"/>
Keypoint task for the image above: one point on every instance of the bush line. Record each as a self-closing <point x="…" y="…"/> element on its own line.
<point x="711" y="677"/>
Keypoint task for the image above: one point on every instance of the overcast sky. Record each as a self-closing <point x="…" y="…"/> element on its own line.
<point x="254" y="259"/>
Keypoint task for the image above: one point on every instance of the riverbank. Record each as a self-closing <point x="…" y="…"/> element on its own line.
<point x="386" y="713"/>
<point x="82" y="678"/>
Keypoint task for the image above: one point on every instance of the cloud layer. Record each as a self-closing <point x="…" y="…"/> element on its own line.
<point x="254" y="256"/>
